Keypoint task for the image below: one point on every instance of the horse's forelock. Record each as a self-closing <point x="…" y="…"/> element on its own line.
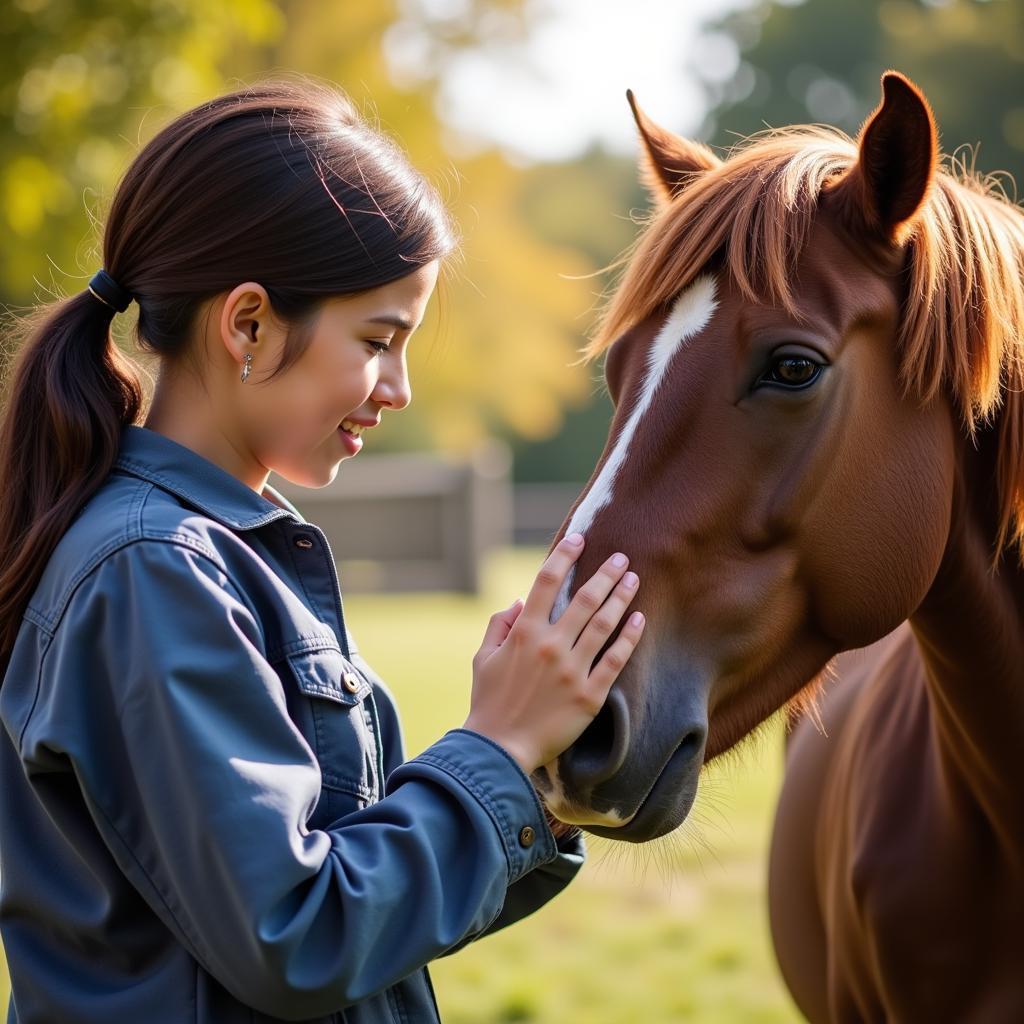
<point x="755" y="210"/>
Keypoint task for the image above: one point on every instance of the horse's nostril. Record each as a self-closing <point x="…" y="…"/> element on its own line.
<point x="693" y="742"/>
<point x="600" y="750"/>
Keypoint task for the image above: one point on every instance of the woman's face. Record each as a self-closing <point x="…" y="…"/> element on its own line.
<point x="322" y="409"/>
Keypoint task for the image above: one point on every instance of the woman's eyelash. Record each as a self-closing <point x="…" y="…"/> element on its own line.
<point x="379" y="346"/>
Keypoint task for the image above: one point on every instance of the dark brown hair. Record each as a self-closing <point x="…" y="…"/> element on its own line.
<point x="279" y="182"/>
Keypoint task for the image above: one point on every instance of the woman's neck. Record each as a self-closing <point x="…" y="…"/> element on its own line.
<point x="184" y="413"/>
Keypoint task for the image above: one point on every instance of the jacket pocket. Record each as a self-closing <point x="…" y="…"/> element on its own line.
<point x="332" y="710"/>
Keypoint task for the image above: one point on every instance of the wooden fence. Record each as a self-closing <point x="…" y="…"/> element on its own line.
<point x="412" y="521"/>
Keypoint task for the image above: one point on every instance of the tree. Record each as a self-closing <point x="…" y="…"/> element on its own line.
<point x="79" y="83"/>
<point x="822" y="61"/>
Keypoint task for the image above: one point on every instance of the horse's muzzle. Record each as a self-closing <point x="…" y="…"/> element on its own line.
<point x="629" y="784"/>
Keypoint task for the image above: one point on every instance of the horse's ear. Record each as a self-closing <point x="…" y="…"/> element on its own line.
<point x="669" y="161"/>
<point x="898" y="150"/>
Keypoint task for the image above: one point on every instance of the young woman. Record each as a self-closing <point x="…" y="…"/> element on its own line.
<point x="205" y="810"/>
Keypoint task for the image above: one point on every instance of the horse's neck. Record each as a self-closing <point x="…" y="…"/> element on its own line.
<point x="970" y="630"/>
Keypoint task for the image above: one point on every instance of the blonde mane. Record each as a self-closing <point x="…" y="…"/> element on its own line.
<point x="962" y="329"/>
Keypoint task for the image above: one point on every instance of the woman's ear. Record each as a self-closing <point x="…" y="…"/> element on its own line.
<point x="898" y="151"/>
<point x="245" y="319"/>
<point x="669" y="162"/>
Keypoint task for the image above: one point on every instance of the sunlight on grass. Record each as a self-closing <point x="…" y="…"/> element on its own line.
<point x="674" y="930"/>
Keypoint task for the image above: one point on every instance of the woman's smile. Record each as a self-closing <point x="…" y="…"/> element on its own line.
<point x="352" y="443"/>
<point x="351" y="431"/>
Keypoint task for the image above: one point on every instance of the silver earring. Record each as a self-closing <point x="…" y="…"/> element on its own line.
<point x="248" y="366"/>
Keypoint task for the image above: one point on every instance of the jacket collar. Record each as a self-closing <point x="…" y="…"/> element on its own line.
<point x="195" y="479"/>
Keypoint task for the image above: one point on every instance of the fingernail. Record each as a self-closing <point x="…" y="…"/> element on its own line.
<point x="619" y="560"/>
<point x="575" y="539"/>
<point x="636" y="619"/>
<point x="630" y="580"/>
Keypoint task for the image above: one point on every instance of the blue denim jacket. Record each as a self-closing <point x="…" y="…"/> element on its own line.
<point x="204" y="813"/>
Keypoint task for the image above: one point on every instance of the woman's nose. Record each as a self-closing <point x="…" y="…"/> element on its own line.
<point x="393" y="389"/>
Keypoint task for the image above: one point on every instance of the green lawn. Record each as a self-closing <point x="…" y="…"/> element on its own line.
<point x="672" y="931"/>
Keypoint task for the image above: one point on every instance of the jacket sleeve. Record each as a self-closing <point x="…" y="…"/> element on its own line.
<point x="532" y="890"/>
<point x="200" y="784"/>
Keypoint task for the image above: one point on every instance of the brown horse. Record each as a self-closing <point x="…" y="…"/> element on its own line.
<point x="817" y="363"/>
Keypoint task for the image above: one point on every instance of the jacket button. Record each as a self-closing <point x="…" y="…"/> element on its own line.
<point x="526" y="836"/>
<point x="303" y="542"/>
<point x="351" y="681"/>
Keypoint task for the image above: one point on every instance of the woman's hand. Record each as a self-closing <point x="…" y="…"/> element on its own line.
<point x="534" y="690"/>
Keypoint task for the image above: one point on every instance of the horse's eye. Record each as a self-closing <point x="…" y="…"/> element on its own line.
<point x="792" y="371"/>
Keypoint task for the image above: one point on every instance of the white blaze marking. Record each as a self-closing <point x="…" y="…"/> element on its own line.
<point x="690" y="314"/>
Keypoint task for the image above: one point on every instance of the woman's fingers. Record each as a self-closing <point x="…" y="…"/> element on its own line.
<point x="551" y="576"/>
<point x="607" y="670"/>
<point x="536" y="686"/>
<point x="498" y="628"/>
<point x="603" y="622"/>
<point x="587" y="603"/>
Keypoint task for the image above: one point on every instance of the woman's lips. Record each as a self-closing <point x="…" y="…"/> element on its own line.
<point x="352" y="443"/>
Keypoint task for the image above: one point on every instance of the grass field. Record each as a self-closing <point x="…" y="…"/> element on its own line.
<point x="672" y="931"/>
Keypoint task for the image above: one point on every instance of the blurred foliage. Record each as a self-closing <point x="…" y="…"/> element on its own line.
<point x="592" y="203"/>
<point x="85" y="84"/>
<point x="79" y="84"/>
<point x="822" y="60"/>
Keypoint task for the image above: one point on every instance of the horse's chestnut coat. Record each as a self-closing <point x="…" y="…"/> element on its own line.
<point x="823" y="339"/>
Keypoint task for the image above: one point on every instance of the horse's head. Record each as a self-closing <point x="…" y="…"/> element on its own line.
<point x="781" y="459"/>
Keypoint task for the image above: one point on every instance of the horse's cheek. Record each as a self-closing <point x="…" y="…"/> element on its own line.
<point x="886" y="520"/>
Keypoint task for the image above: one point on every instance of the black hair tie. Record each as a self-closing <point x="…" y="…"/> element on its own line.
<point x="109" y="292"/>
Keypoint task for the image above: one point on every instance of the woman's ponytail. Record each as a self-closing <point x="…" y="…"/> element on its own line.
<point x="71" y="392"/>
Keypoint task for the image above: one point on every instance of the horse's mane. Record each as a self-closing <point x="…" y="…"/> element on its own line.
<point x="962" y="328"/>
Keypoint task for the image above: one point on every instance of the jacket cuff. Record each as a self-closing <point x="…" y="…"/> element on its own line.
<point x="503" y="789"/>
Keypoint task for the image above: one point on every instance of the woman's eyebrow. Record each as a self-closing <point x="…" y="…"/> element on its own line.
<point x="391" y="321"/>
